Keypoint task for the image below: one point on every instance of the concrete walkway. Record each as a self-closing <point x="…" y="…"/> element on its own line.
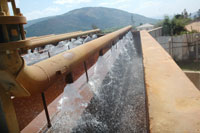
<point x="173" y="100"/>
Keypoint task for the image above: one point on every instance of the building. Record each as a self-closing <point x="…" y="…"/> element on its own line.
<point x="145" y="27"/>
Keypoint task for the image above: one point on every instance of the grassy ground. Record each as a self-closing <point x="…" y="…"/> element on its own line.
<point x="193" y="66"/>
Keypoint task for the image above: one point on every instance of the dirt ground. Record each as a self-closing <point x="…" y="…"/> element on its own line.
<point x="189" y="65"/>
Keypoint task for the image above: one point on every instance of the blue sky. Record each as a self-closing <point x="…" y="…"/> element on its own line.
<point x="33" y="9"/>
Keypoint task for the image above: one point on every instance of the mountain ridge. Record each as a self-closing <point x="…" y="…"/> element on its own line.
<point x="83" y="19"/>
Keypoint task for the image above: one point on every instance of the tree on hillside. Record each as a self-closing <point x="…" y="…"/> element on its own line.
<point x="176" y="25"/>
<point x="195" y="17"/>
<point x="190" y="15"/>
<point x="198" y="13"/>
<point x="166" y="24"/>
<point x="94" y="26"/>
<point x="185" y="13"/>
<point x="159" y="24"/>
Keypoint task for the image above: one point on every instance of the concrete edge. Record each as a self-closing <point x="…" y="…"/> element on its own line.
<point x="173" y="100"/>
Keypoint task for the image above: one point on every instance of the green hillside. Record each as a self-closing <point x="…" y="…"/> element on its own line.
<point x="83" y="19"/>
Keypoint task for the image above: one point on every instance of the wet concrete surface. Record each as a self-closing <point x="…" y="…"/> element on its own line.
<point x="119" y="105"/>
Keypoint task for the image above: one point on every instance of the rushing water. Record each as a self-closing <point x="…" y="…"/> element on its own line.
<point x="51" y="50"/>
<point x="118" y="104"/>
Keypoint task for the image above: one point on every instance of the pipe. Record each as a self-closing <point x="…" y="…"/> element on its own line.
<point x="44" y="40"/>
<point x="51" y="35"/>
<point x="42" y="75"/>
<point x="57" y="38"/>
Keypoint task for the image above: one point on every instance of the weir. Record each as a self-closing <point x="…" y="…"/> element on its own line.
<point x="118" y="102"/>
<point x="121" y="82"/>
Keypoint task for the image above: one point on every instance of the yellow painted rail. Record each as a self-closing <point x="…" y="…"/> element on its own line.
<point x="40" y="76"/>
<point x="44" y="40"/>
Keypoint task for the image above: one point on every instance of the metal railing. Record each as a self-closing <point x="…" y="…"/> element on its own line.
<point x="40" y="76"/>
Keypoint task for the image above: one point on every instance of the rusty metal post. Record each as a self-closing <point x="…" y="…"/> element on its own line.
<point x="197" y="52"/>
<point x="85" y="67"/>
<point x="49" y="54"/>
<point x="197" y="48"/>
<point x="172" y="46"/>
<point x="46" y="110"/>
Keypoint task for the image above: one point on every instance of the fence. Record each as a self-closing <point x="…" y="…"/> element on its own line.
<point x="183" y="47"/>
<point x="156" y="32"/>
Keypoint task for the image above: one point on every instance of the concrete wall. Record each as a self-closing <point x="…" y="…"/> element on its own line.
<point x="172" y="99"/>
<point x="145" y="27"/>
<point x="156" y="32"/>
<point x="183" y="47"/>
<point x="194" y="77"/>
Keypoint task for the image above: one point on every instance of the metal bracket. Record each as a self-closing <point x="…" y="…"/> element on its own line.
<point x="9" y="84"/>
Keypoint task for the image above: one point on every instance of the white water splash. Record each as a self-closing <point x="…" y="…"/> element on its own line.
<point x="36" y="56"/>
<point x="70" y="107"/>
<point x="70" y="95"/>
<point x="97" y="78"/>
<point x="67" y="118"/>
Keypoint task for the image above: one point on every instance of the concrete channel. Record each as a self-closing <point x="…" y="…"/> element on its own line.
<point x="145" y="91"/>
<point x="120" y="104"/>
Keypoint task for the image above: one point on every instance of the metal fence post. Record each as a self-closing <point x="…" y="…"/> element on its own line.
<point x="85" y="67"/>
<point x="197" y="52"/>
<point x="46" y="110"/>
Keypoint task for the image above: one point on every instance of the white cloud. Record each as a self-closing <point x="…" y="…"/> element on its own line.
<point x="42" y="13"/>
<point x="114" y="2"/>
<point x="104" y="4"/>
<point x="159" y="8"/>
<point x="121" y="1"/>
<point x="71" y="1"/>
<point x="152" y="8"/>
